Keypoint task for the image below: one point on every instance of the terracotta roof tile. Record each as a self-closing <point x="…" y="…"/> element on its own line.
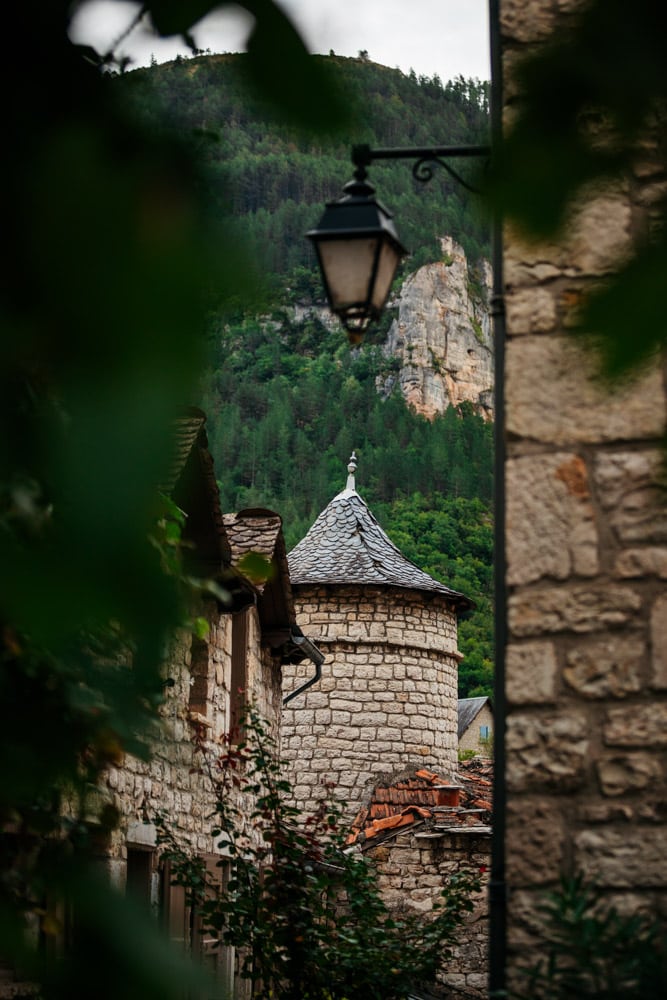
<point x="461" y="805"/>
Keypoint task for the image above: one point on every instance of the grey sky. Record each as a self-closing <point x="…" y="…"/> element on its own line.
<point x="447" y="37"/>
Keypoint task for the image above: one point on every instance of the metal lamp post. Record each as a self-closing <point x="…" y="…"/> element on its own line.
<point x="357" y="245"/>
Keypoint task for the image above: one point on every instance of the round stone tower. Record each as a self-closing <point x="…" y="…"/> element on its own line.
<point x="387" y="697"/>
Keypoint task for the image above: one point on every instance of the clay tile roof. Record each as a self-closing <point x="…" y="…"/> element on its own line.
<point x="423" y="797"/>
<point x="468" y="708"/>
<point x="346" y="545"/>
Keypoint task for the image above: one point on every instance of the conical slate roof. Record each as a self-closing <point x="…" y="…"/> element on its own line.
<point x="346" y="545"/>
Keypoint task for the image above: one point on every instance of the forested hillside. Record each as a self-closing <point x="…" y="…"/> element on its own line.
<point x="287" y="401"/>
<point x="276" y="180"/>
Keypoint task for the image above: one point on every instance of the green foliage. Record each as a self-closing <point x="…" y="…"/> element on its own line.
<point x="271" y="181"/>
<point x="306" y="916"/>
<point x="593" y="951"/>
<point x="452" y="539"/>
<point x="112" y="259"/>
<point x="287" y="402"/>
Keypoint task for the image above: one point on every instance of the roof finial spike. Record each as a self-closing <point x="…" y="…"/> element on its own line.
<point x="351" y="469"/>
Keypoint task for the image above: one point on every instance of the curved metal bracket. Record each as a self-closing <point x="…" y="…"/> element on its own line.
<point x="422" y="170"/>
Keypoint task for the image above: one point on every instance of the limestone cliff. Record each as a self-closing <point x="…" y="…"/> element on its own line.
<point x="442" y="337"/>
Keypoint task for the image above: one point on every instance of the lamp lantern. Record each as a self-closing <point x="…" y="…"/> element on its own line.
<point x="359" y="251"/>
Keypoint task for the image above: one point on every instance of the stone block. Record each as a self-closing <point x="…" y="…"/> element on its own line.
<point x="523" y="22"/>
<point x="546" y="751"/>
<point x="605" y="668"/>
<point x="550" y="522"/>
<point x="658" y="676"/>
<point x="623" y="774"/>
<point x="623" y="859"/>
<point x="637" y="725"/>
<point x="600" y="233"/>
<point x="535" y="836"/>
<point x="562" y="402"/>
<point x="580" y="609"/>
<point x="634" y="563"/>
<point x="530" y="310"/>
<point x="530" y="673"/>
<point x="631" y="489"/>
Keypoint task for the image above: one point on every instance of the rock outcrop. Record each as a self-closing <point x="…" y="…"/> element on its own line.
<point x="442" y="337"/>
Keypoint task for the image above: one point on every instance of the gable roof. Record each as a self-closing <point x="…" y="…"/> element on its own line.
<point x="346" y="545"/>
<point x="468" y="709"/>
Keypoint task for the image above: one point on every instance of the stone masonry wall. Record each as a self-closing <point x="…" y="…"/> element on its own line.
<point x="413" y="872"/>
<point x="167" y="782"/>
<point x="586" y="540"/>
<point x="387" y="697"/>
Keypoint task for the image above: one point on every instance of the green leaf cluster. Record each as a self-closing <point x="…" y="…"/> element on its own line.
<point x="601" y="128"/>
<point x="591" y="950"/>
<point x="111" y="261"/>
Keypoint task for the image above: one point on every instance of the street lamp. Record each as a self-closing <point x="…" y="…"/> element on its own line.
<point x="357" y="245"/>
<point x="358" y="251"/>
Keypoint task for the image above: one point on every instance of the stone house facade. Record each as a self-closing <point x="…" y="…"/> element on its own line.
<point x="585" y="534"/>
<point x="250" y="638"/>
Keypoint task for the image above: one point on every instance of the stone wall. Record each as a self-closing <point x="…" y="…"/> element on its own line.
<point x="169" y="781"/>
<point x="586" y="540"/>
<point x="413" y="872"/>
<point x="387" y="697"/>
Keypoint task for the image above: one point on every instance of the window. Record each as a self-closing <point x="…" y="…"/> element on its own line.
<point x="184" y="927"/>
<point x="484" y="732"/>
<point x="199" y="677"/>
<point x="139" y="874"/>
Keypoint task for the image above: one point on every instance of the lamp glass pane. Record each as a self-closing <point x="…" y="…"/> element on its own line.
<point x="348" y="267"/>
<point x="387" y="264"/>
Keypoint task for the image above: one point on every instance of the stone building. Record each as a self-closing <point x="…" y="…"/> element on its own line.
<point x="475" y="727"/>
<point x="387" y="697"/>
<point x="252" y="633"/>
<point x="420" y="829"/>
<point x="585" y="538"/>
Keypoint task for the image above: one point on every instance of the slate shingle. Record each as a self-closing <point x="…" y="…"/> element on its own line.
<point x="346" y="545"/>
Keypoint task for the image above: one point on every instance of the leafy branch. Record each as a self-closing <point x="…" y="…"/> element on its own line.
<point x="306" y="915"/>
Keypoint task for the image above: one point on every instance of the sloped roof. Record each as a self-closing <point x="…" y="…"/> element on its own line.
<point x="187" y="428"/>
<point x="257" y="530"/>
<point x="190" y="481"/>
<point x="426" y="800"/>
<point x="468" y="709"/>
<point x="346" y="545"/>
